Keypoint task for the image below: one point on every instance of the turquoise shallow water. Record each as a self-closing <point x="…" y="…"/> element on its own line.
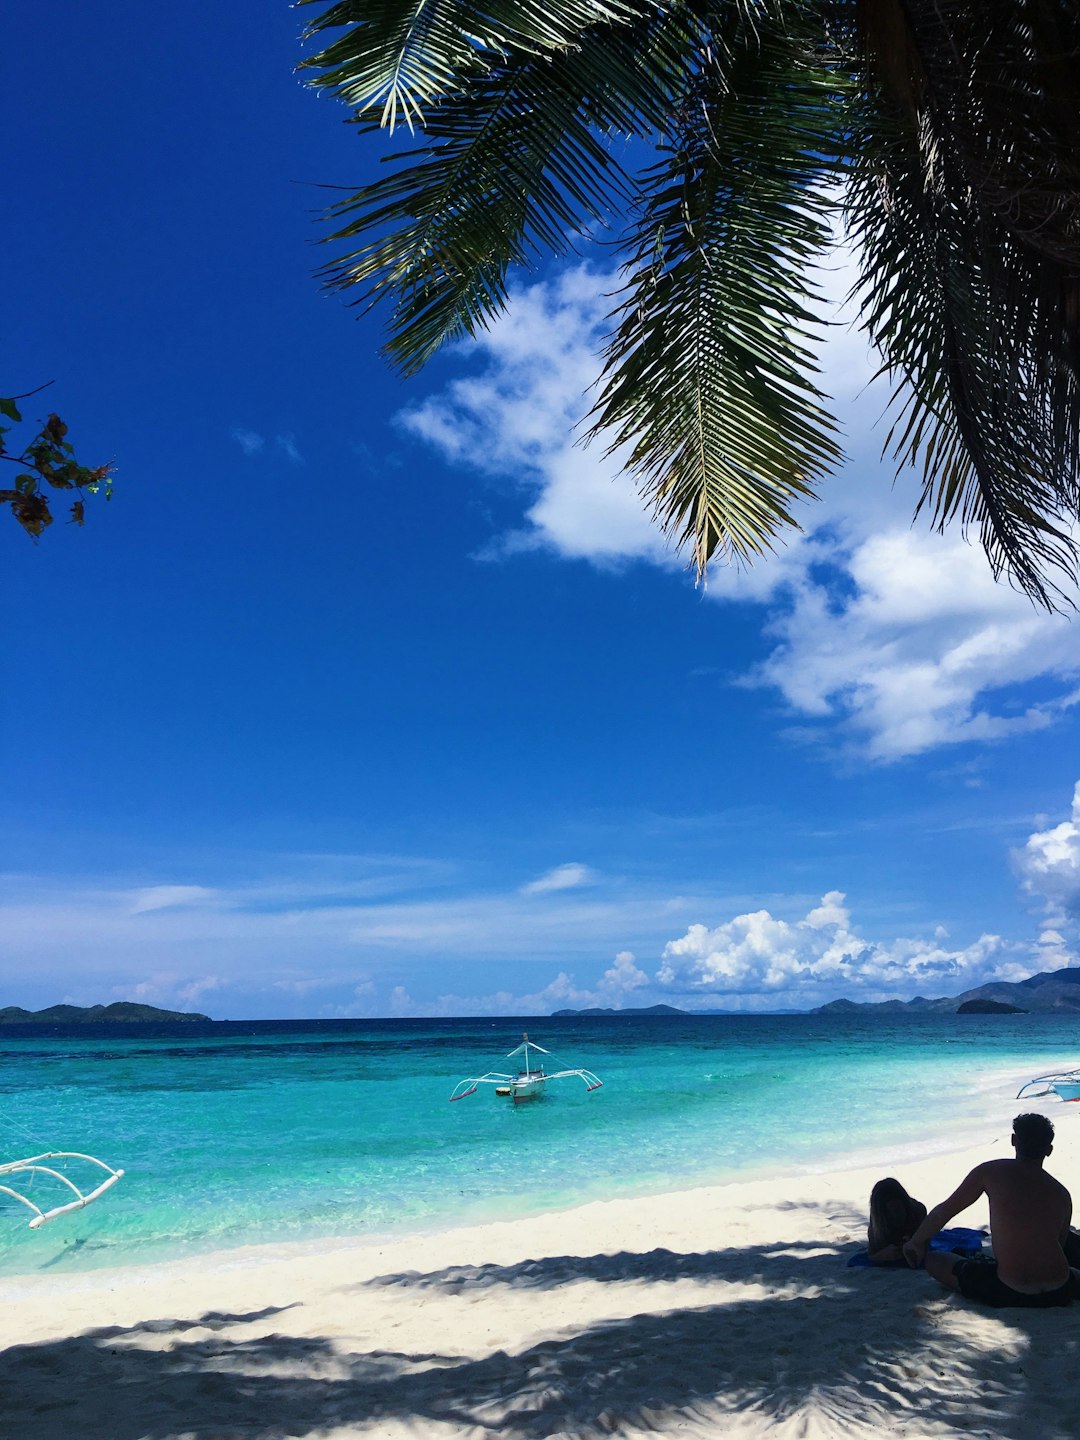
<point x="234" y="1134"/>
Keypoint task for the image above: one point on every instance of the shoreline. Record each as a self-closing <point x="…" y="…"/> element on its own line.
<point x="713" y="1310"/>
<point x="982" y="1127"/>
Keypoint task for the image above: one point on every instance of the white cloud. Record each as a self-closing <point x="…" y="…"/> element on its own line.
<point x="279" y="937"/>
<point x="616" y="987"/>
<point x="895" y="638"/>
<point x="923" y="650"/>
<point x="167" y="897"/>
<point x="170" y="990"/>
<point x="249" y="440"/>
<point x="401" y="1002"/>
<point x="1049" y="869"/>
<point x="790" y="962"/>
<point x="1049" y="863"/>
<point x="343" y="934"/>
<point x="252" y="443"/>
<point x="563" y="877"/>
<point x="623" y="977"/>
<point x="304" y="985"/>
<point x="286" y="445"/>
<point x="521" y="416"/>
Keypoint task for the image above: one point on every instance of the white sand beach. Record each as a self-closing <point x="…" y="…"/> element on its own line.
<point x="728" y="1311"/>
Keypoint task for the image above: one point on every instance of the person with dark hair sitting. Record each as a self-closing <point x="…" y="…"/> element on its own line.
<point x="894" y="1218"/>
<point x="1030" y="1213"/>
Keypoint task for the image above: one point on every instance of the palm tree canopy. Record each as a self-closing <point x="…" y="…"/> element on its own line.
<point x="940" y="133"/>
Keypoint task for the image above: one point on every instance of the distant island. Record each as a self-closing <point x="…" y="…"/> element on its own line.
<point x="1055" y="992"/>
<point x="122" y="1011"/>
<point x="1052" y="992"/>
<point x="630" y="1010"/>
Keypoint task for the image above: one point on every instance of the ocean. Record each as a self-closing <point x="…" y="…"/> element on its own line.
<point x="239" y="1133"/>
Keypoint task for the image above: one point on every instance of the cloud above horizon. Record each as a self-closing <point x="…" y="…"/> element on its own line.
<point x="884" y="641"/>
<point x="759" y="955"/>
<point x="355" y="944"/>
<point x="562" y="877"/>
<point x="1048" y="867"/>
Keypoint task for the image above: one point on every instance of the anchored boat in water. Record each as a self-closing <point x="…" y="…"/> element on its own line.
<point x="531" y="1078"/>
<point x="1064" y="1083"/>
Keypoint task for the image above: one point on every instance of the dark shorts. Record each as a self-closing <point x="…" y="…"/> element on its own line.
<point x="978" y="1280"/>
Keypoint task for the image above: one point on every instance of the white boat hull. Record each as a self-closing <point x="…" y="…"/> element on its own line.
<point x="1065" y="1084"/>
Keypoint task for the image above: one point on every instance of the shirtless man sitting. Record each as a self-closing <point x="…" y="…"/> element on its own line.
<point x="1029" y="1220"/>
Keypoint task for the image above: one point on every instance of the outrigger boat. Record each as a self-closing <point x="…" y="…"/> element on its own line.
<point x="26" y="1173"/>
<point x="1065" y="1083"/>
<point x="529" y="1081"/>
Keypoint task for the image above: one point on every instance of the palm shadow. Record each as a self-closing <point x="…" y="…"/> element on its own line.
<point x="773" y="1351"/>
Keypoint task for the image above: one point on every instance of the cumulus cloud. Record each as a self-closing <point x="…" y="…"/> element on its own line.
<point x="563" y="877"/>
<point x="170" y="990"/>
<point x="760" y="955"/>
<point x="623" y="977"/>
<point x="521" y="415"/>
<point x="401" y="1002"/>
<point x="1049" y="869"/>
<point x="889" y="640"/>
<point x="1049" y="863"/>
<point x="922" y="650"/>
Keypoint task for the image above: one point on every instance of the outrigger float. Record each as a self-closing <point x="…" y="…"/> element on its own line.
<point x="25" y="1175"/>
<point x="1064" y="1083"/>
<point x="530" y="1080"/>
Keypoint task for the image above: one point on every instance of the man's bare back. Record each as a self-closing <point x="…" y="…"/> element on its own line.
<point x="1030" y="1213"/>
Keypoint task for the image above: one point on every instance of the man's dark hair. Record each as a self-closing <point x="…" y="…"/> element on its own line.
<point x="1034" y="1136"/>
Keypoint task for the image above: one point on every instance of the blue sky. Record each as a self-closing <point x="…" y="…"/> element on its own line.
<point x="367" y="697"/>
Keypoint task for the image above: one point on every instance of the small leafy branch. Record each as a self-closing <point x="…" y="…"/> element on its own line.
<point x="49" y="460"/>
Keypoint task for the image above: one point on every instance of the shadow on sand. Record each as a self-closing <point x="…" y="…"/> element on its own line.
<point x="669" y="1369"/>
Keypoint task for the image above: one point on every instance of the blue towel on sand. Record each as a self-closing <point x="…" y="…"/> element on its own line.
<point x="957" y="1237"/>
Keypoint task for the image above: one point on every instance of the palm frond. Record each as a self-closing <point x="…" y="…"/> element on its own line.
<point x="709" y="379"/>
<point x="406" y="55"/>
<point x="511" y="167"/>
<point x="966" y="203"/>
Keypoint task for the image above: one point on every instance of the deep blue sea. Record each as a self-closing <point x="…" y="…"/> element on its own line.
<point x="236" y="1133"/>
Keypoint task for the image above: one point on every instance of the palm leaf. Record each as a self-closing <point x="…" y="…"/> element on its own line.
<point x="510" y="168"/>
<point x="966" y="202"/>
<point x="964" y="196"/>
<point x="405" y="55"/>
<point x="708" y="375"/>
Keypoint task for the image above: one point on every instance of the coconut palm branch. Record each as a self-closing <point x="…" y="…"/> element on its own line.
<point x="709" y="374"/>
<point x="512" y="168"/>
<point x="957" y="121"/>
<point x="406" y="57"/>
<point x="965" y="201"/>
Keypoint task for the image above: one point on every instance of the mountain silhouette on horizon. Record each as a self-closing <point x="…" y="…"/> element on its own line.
<point x="1049" y="992"/>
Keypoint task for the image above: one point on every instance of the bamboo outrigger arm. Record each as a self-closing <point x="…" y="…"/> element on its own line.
<point x="34" y="1166"/>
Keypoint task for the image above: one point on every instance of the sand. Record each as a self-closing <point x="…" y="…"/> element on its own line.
<point x="725" y="1311"/>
